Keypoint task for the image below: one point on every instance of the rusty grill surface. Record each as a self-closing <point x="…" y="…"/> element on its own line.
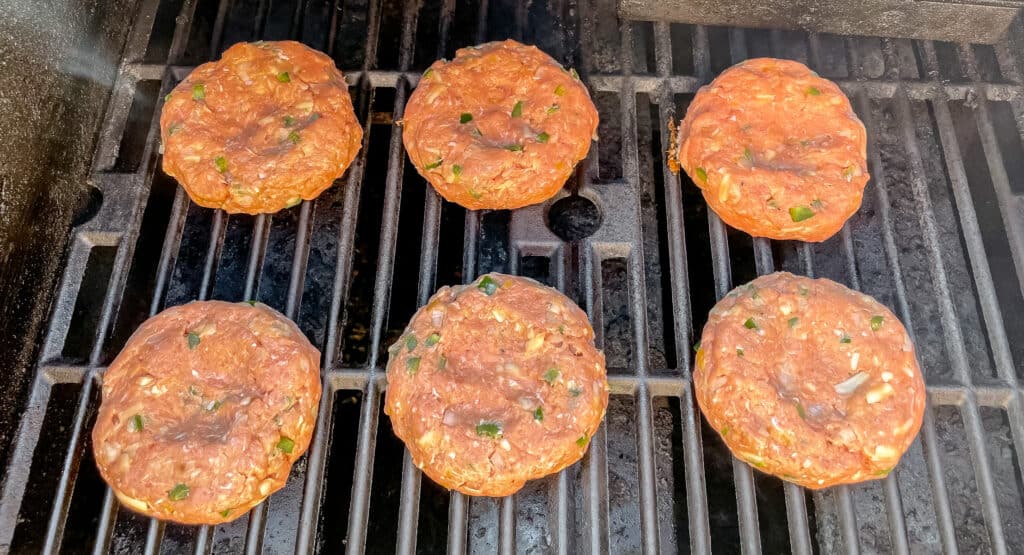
<point x="939" y="239"/>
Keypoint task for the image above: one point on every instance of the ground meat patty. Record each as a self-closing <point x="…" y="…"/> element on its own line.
<point x="777" y="151"/>
<point x="205" y="410"/>
<point x="500" y="126"/>
<point x="261" y="129"/>
<point x="810" y="381"/>
<point x="496" y="383"/>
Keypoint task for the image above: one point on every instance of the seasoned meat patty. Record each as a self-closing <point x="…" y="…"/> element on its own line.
<point x="500" y="126"/>
<point x="810" y="381"/>
<point x="496" y="383"/>
<point x="205" y="410"/>
<point x="777" y="151"/>
<point x="261" y="129"/>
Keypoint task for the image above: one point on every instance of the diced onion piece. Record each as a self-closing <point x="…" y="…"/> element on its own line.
<point x="851" y="384"/>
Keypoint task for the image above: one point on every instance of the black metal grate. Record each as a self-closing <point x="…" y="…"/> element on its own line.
<point x="940" y="238"/>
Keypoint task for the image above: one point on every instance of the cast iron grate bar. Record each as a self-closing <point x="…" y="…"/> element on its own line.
<point x="951" y="328"/>
<point x="645" y="447"/>
<point x="411" y="477"/>
<point x="313" y="491"/>
<point x="360" y="508"/>
<point x="697" y="507"/>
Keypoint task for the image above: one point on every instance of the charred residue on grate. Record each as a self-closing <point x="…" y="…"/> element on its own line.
<point x="653" y="220"/>
<point x="643" y="60"/>
<point x="1006" y="471"/>
<point x="959" y="473"/>
<point x="129" y="532"/>
<point x="550" y="26"/>
<point x="236" y="241"/>
<point x="953" y="251"/>
<point x="616" y="315"/>
<point x="177" y="538"/>
<point x="623" y="493"/>
<point x="574" y="217"/>
<point x="602" y="39"/>
<point x="609" y="131"/>
<point x="669" y="442"/>
<point x="914" y="265"/>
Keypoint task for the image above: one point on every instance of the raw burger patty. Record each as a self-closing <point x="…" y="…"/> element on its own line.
<point x="777" y="151"/>
<point x="496" y="383"/>
<point x="500" y="126"/>
<point x="205" y="410"/>
<point x="261" y="129"/>
<point x="809" y="381"/>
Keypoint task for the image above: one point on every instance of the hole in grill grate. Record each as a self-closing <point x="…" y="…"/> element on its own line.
<point x="574" y="217"/>
<point x="937" y="239"/>
<point x="624" y="511"/>
<point x="656" y="237"/>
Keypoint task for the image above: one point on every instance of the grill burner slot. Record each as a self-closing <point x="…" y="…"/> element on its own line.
<point x="939" y="238"/>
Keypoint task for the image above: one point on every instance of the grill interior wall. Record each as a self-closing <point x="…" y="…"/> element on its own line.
<point x="938" y="239"/>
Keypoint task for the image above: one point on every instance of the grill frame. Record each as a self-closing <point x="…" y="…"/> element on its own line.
<point x="118" y="222"/>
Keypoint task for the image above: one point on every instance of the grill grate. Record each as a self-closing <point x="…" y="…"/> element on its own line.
<point x="939" y="238"/>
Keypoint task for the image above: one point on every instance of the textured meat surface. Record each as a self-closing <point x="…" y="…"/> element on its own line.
<point x="205" y="410"/>
<point x="777" y="151"/>
<point x="261" y="129"/>
<point x="810" y="381"/>
<point x="500" y="126"/>
<point x="496" y="383"/>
